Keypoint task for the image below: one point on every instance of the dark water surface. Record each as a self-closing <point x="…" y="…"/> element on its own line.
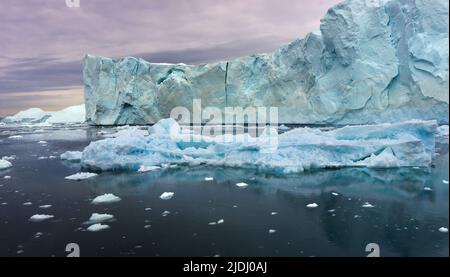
<point x="404" y="221"/>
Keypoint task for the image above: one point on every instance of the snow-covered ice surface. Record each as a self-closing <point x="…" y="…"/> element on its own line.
<point x="406" y="144"/>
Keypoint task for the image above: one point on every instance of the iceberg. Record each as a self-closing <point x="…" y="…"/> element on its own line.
<point x="38" y="117"/>
<point x="372" y="61"/>
<point x="406" y="144"/>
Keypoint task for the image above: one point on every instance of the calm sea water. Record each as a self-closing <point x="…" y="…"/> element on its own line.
<point x="404" y="220"/>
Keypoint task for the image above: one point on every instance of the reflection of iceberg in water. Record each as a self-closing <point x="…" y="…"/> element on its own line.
<point x="385" y="184"/>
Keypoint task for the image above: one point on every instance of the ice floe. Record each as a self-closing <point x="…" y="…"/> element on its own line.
<point x="242" y="185"/>
<point x="106" y="199"/>
<point x="272" y="231"/>
<point x="41" y="217"/>
<point x="97" y="227"/>
<point x="38" y="117"/>
<point x="209" y="179"/>
<point x="312" y="205"/>
<point x="4" y="164"/>
<point x="445" y="182"/>
<point x="443" y="230"/>
<point x="167" y="195"/>
<point x="45" y="206"/>
<point x="404" y="144"/>
<point x="367" y="205"/>
<point x="99" y="218"/>
<point x="81" y="176"/>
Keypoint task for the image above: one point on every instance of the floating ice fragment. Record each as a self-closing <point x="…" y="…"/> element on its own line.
<point x="144" y="168"/>
<point x="7" y="177"/>
<point x="242" y="185"/>
<point x="41" y="217"/>
<point x="167" y="195"/>
<point x="9" y="158"/>
<point x="4" y="164"/>
<point x="427" y="189"/>
<point x="97" y="227"/>
<point x="38" y="235"/>
<point x="165" y="213"/>
<point x="312" y="206"/>
<point x="335" y="194"/>
<point x="368" y="205"/>
<point x="16" y="137"/>
<point x="212" y="223"/>
<point x="220" y="221"/>
<point x="271" y="231"/>
<point x="81" y="176"/>
<point x="443" y="230"/>
<point x="209" y="179"/>
<point x="45" y="206"/>
<point x="42" y="142"/>
<point x="106" y="199"/>
<point x="27" y="204"/>
<point x="99" y="218"/>
<point x="445" y="182"/>
<point x="273" y="213"/>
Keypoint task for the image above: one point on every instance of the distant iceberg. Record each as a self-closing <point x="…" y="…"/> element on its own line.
<point x="407" y="144"/>
<point x="39" y="117"/>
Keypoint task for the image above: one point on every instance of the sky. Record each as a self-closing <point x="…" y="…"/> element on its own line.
<point x="43" y="42"/>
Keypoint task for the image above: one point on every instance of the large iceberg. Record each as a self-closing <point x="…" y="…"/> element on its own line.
<point x="373" y="61"/>
<point x="407" y="144"/>
<point x="39" y="117"/>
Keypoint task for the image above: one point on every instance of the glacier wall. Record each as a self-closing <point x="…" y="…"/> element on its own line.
<point x="372" y="61"/>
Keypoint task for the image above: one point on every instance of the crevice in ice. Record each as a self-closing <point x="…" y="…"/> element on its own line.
<point x="226" y="84"/>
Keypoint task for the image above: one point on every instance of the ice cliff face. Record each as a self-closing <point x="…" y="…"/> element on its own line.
<point x="372" y="61"/>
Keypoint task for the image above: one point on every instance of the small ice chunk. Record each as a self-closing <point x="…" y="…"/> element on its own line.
<point x="27" y="204"/>
<point x="97" y="227"/>
<point x="4" y="164"/>
<point x="312" y="205"/>
<point x="167" y="195"/>
<point x="221" y="221"/>
<point x="7" y="177"/>
<point x="148" y="209"/>
<point x="271" y="231"/>
<point x="38" y="235"/>
<point x="9" y="158"/>
<point x="273" y="213"/>
<point x="443" y="230"/>
<point x="368" y="205"/>
<point x="445" y="182"/>
<point x="331" y="211"/>
<point x="335" y="194"/>
<point x="144" y="168"/>
<point x="81" y="176"/>
<point x="427" y="189"/>
<point x="72" y="156"/>
<point x="45" y="206"/>
<point x="42" y="142"/>
<point x="98" y="218"/>
<point x="165" y="213"/>
<point x="106" y="199"/>
<point x="209" y="179"/>
<point x="16" y="137"/>
<point x="42" y="158"/>
<point x="212" y="223"/>
<point x="242" y="185"/>
<point x="147" y="226"/>
<point x="41" y="217"/>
